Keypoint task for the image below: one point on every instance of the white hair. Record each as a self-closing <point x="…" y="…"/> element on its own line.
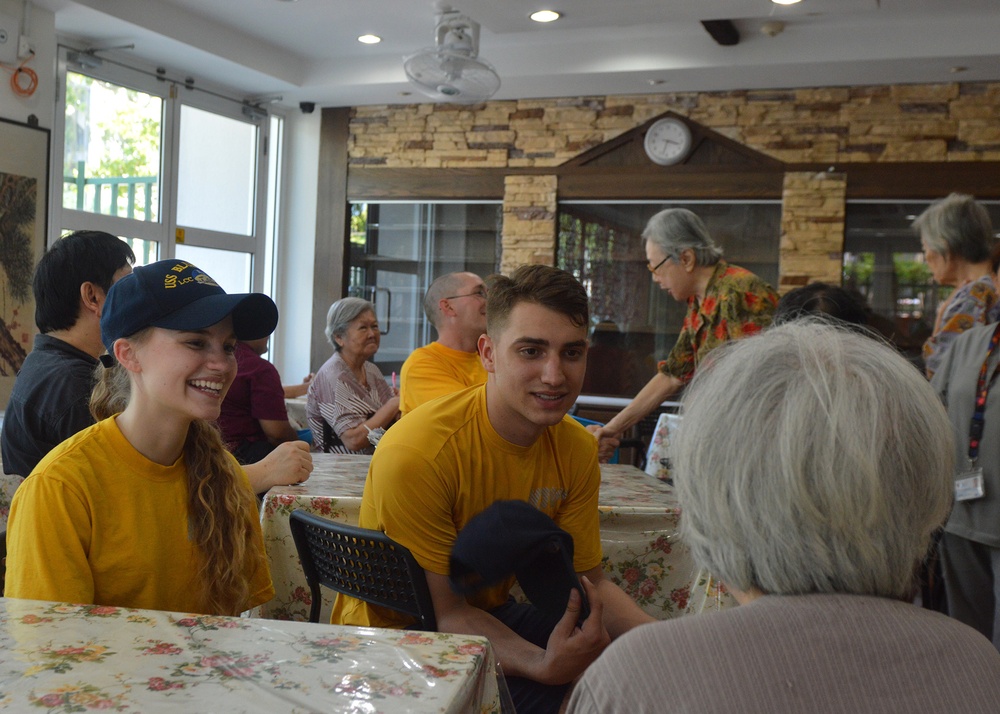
<point x="812" y="459"/>
<point x="341" y="314"/>
<point x="958" y="226"/>
<point x="675" y="230"/>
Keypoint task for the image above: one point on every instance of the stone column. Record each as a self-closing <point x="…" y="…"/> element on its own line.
<point x="529" y="221"/>
<point x="812" y="229"/>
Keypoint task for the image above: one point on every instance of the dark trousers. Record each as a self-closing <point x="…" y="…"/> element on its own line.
<point x="529" y="696"/>
<point x="972" y="580"/>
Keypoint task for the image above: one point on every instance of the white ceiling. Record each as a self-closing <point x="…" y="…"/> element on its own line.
<point x="307" y="50"/>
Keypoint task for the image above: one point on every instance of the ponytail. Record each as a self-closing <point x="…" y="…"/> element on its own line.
<point x="221" y="509"/>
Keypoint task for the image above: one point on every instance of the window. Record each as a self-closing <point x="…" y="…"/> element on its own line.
<point x="634" y="323"/>
<point x="883" y="259"/>
<point x="398" y="249"/>
<point x="175" y="173"/>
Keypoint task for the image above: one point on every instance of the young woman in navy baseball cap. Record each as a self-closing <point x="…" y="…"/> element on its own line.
<point x="147" y="508"/>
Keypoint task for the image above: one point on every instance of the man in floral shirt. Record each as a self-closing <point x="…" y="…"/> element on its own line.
<point x="725" y="302"/>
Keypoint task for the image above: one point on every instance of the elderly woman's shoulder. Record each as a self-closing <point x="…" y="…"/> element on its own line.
<point x="813" y="651"/>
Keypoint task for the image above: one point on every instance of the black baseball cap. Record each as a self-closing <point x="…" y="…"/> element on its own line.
<point x="514" y="537"/>
<point x="177" y="295"/>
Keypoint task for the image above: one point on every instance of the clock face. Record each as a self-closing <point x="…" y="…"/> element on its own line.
<point x="667" y="141"/>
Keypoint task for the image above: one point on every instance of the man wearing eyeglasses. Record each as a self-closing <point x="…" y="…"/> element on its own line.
<point x="456" y="305"/>
<point x="725" y="302"/>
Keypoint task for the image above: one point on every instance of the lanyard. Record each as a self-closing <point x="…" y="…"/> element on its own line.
<point x="978" y="421"/>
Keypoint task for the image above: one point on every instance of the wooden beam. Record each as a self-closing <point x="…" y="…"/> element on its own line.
<point x="330" y="279"/>
<point x="681" y="182"/>
<point x="427" y="184"/>
<point x="924" y="179"/>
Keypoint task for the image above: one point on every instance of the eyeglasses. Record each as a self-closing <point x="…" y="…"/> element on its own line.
<point x="480" y="293"/>
<point x="654" y="268"/>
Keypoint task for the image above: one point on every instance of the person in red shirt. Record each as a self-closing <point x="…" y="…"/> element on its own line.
<point x="253" y="419"/>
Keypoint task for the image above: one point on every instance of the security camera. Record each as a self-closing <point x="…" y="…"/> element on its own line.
<point x="307" y="107"/>
<point x="772" y="28"/>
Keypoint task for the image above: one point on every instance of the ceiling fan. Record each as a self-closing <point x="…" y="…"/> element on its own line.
<point x="452" y="70"/>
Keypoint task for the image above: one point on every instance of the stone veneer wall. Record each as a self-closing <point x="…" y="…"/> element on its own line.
<point x="930" y="122"/>
<point x="529" y="221"/>
<point x="812" y="228"/>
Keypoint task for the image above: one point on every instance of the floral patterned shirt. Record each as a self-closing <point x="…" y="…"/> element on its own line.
<point x="736" y="304"/>
<point x="974" y="304"/>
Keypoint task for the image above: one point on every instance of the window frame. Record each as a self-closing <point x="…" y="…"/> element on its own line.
<point x="164" y="231"/>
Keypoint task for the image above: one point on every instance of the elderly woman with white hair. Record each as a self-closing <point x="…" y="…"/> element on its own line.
<point x="725" y="302"/>
<point x="812" y="466"/>
<point x="958" y="242"/>
<point x="349" y="404"/>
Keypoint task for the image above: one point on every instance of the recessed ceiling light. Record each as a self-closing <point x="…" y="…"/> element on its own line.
<point x="785" y="2"/>
<point x="956" y="70"/>
<point x="370" y="39"/>
<point x="545" y="16"/>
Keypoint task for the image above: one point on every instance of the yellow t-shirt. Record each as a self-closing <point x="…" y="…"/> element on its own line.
<point x="97" y="522"/>
<point x="441" y="465"/>
<point x="433" y="371"/>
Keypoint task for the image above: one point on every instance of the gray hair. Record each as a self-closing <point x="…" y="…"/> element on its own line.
<point x="341" y="314"/>
<point x="675" y="230"/>
<point x="957" y="225"/>
<point x="440" y="288"/>
<point x="812" y="459"/>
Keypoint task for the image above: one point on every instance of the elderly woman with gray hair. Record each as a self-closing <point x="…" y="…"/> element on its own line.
<point x="958" y="241"/>
<point x="817" y="529"/>
<point x="349" y="405"/>
<point x="725" y="302"/>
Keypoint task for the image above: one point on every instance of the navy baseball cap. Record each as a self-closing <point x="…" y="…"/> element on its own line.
<point x="515" y="538"/>
<point x="176" y="295"/>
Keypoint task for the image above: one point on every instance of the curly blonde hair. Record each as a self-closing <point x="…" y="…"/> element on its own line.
<point x="221" y="507"/>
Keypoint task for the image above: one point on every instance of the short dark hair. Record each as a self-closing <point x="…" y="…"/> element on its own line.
<point x="540" y="284"/>
<point x="823" y="299"/>
<point x="81" y="257"/>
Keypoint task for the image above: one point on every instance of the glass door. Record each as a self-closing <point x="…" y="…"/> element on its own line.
<point x="398" y="249"/>
<point x="175" y="172"/>
<point x="220" y="186"/>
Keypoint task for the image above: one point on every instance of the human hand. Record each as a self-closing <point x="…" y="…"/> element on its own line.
<point x="571" y="649"/>
<point x="308" y="379"/>
<point x="289" y="463"/>
<point x="607" y="442"/>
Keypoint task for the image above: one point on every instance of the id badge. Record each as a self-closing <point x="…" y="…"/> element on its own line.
<point x="969" y="485"/>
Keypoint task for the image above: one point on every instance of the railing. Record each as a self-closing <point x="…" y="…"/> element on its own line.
<point x="146" y="183"/>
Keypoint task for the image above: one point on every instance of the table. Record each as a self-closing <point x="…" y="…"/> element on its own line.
<point x="75" y="658"/>
<point x="639" y="518"/>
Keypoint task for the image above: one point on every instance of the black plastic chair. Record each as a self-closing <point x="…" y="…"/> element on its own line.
<point x="362" y="563"/>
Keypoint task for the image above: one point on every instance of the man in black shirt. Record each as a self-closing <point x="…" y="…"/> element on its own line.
<point x="49" y="402"/>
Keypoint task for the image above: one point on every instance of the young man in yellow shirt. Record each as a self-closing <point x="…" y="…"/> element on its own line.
<point x="510" y="438"/>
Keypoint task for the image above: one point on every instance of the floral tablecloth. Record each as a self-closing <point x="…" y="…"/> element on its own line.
<point x="639" y="518"/>
<point x="80" y="658"/>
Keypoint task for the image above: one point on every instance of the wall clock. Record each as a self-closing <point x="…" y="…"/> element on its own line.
<point x="668" y="141"/>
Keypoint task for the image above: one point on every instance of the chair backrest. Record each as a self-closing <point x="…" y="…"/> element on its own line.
<point x="362" y="563"/>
